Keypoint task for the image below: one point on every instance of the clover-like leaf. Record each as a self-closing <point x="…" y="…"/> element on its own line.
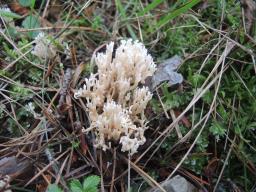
<point x="31" y="22"/>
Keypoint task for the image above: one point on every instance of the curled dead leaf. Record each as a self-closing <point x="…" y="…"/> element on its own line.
<point x="166" y="71"/>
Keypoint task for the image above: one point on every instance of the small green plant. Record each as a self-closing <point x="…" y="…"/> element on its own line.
<point x="90" y="184"/>
<point x="53" y="188"/>
<point x="31" y="22"/>
<point x="97" y="22"/>
<point x="27" y="3"/>
<point x="217" y="129"/>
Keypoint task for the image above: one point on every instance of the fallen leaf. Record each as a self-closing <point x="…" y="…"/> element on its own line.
<point x="13" y="167"/>
<point x="166" y="72"/>
<point x="175" y="184"/>
<point x="64" y="108"/>
<point x="185" y="121"/>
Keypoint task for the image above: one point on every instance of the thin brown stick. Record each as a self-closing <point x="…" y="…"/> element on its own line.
<point x="45" y="168"/>
<point x="113" y="172"/>
<point x="61" y="170"/>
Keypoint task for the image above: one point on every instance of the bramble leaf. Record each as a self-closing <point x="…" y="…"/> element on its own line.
<point x="91" y="183"/>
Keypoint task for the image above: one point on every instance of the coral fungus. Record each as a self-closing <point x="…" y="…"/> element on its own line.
<point x="115" y="97"/>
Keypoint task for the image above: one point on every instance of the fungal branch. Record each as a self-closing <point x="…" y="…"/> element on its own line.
<point x="115" y="95"/>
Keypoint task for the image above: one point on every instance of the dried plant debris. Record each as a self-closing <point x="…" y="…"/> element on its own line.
<point x="175" y="184"/>
<point x="166" y="72"/>
<point x="249" y="7"/>
<point x="13" y="167"/>
<point x="114" y="101"/>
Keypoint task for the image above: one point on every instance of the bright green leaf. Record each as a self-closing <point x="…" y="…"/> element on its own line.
<point x="31" y="22"/>
<point x="53" y="188"/>
<point x="76" y="186"/>
<point x="91" y="183"/>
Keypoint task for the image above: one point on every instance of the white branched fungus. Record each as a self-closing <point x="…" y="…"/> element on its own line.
<point x="115" y="101"/>
<point x="43" y="47"/>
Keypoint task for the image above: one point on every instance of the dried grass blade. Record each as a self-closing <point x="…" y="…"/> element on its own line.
<point x="45" y="168"/>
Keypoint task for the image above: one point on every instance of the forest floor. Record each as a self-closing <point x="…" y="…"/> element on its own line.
<point x="201" y="126"/>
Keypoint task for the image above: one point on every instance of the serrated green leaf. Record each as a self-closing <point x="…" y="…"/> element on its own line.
<point x="9" y="14"/>
<point x="31" y="22"/>
<point x="91" y="183"/>
<point x="76" y="186"/>
<point x="53" y="188"/>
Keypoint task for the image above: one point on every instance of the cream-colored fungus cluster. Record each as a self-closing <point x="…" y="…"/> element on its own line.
<point x="115" y="103"/>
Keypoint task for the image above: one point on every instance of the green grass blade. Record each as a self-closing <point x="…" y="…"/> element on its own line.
<point x="120" y="8"/>
<point x="122" y="11"/>
<point x="33" y="2"/>
<point x="176" y="13"/>
<point x="150" y="7"/>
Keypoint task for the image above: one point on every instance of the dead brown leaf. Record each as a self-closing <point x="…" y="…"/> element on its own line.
<point x="17" y="8"/>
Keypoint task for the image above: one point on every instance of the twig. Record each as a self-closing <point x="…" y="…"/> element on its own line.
<point x="224" y="165"/>
<point x="65" y="86"/>
<point x="101" y="174"/>
<point x="45" y="9"/>
<point x="177" y="127"/>
<point x="147" y="177"/>
<point x="45" y="168"/>
<point x="60" y="171"/>
<point x="160" y="100"/>
<point x="113" y="172"/>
